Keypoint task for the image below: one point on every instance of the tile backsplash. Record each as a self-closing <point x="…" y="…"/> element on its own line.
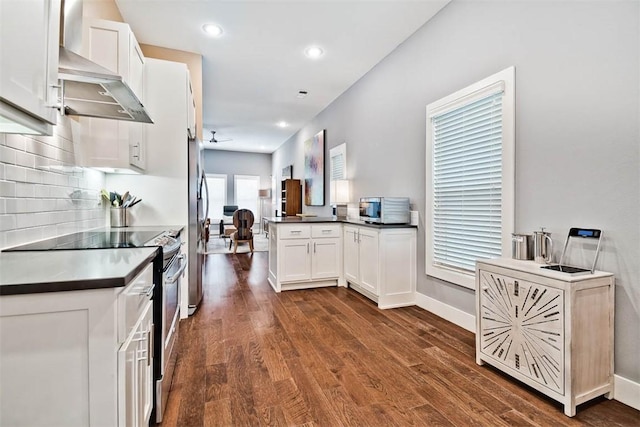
<point x="43" y="193"/>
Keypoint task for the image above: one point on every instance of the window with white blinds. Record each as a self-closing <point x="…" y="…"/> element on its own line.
<point x="470" y="164"/>
<point x="338" y="162"/>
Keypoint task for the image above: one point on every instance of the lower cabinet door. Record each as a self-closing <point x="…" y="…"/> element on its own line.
<point x="128" y="382"/>
<point x="522" y="328"/>
<point x="295" y="259"/>
<point x="144" y="368"/>
<point x="351" y="256"/>
<point x="325" y="262"/>
<point x="135" y="373"/>
<point x="368" y="251"/>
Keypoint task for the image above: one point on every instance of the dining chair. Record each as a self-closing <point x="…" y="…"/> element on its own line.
<point x="243" y="221"/>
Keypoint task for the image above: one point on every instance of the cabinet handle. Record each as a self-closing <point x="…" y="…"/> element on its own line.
<point x="137" y="154"/>
<point x="146" y="291"/>
<point x="150" y="344"/>
<point x="326" y="231"/>
<point x="296" y="231"/>
<point x="307" y="248"/>
<point x="314" y="247"/>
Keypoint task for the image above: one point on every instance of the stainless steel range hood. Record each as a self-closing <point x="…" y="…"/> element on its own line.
<point x="89" y="89"/>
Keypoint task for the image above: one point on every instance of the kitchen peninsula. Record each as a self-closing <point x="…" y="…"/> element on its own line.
<point x="378" y="261"/>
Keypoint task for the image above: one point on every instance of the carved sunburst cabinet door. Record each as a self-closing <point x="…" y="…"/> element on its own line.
<point x="521" y="327"/>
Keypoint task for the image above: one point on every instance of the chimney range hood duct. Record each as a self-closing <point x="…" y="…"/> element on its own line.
<point x="89" y="89"/>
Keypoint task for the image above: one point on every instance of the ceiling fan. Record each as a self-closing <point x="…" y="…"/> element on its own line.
<point x="216" y="140"/>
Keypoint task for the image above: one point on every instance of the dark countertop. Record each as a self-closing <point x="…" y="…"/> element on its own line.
<point x="134" y="228"/>
<point x="315" y="219"/>
<point x="71" y="270"/>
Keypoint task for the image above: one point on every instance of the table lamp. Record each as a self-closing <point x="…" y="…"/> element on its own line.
<point x="340" y="197"/>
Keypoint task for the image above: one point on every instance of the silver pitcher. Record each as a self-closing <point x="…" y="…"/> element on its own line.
<point x="542" y="246"/>
<point x="521" y="246"/>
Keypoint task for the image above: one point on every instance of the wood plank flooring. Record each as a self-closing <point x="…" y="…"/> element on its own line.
<point x="330" y="357"/>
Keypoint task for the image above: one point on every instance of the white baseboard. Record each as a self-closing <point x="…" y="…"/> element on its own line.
<point x="625" y="391"/>
<point x="447" y="312"/>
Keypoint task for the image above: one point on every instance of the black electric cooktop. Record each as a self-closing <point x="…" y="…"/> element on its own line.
<point x="93" y="240"/>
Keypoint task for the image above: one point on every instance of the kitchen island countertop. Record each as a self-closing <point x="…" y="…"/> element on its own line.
<point x="70" y="270"/>
<point x="314" y="219"/>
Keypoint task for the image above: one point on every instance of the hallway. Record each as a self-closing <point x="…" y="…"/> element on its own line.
<point x="330" y="357"/>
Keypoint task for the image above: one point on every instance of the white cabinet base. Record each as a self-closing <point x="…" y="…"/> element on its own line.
<point x="380" y="263"/>
<point x="305" y="256"/>
<point x="550" y="330"/>
<point x="59" y="357"/>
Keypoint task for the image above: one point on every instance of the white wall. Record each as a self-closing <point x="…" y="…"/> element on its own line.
<point x="42" y="191"/>
<point x="577" y="128"/>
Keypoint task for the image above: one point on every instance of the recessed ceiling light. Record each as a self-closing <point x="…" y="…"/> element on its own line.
<point x="282" y="124"/>
<point x="212" y="29"/>
<point x="313" y="52"/>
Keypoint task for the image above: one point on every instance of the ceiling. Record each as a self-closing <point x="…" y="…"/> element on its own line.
<point x="253" y="72"/>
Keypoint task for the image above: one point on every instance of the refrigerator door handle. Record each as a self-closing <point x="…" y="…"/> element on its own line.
<point x="206" y="189"/>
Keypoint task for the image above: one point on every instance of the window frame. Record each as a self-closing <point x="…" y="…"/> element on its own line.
<point x="235" y="193"/>
<point x="503" y="80"/>
<point x="224" y="198"/>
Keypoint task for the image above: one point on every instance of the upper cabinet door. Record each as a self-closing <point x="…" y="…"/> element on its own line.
<point x="113" y="46"/>
<point x="29" y="43"/>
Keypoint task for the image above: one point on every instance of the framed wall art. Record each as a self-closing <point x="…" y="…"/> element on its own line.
<point x="314" y="170"/>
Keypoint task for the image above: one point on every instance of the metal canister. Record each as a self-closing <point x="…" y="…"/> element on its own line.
<point x="119" y="217"/>
<point x="521" y="246"/>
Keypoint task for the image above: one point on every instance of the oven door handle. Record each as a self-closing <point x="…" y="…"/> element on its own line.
<point x="175" y="277"/>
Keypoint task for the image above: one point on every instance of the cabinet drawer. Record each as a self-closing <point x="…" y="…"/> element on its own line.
<point x="133" y="300"/>
<point x="294" y="231"/>
<point x="325" y="230"/>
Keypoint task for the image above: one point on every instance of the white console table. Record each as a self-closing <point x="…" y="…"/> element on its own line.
<point x="553" y="331"/>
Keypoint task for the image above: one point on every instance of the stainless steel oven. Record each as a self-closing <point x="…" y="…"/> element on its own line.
<point x="173" y="272"/>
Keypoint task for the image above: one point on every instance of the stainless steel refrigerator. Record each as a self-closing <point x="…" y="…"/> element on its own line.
<point x="198" y="213"/>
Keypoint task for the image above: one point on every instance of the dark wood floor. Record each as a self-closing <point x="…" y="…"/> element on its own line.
<point x="330" y="357"/>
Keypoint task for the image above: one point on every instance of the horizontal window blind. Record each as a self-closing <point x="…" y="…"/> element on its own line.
<point x="337" y="167"/>
<point x="467" y="183"/>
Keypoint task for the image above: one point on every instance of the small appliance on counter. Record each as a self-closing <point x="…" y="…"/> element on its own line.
<point x="578" y="233"/>
<point x="521" y="246"/>
<point x="385" y="210"/>
<point x="542" y="246"/>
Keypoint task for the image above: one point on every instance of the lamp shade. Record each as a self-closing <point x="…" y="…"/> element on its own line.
<point x="264" y="193"/>
<point x="339" y="191"/>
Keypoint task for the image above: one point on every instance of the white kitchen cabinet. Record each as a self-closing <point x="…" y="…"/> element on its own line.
<point x="295" y="260"/>
<point x="380" y="263"/>
<point x="135" y="367"/>
<point x="351" y="254"/>
<point x="306" y="255"/>
<point x="29" y="43"/>
<point x="326" y="251"/>
<point x="80" y="357"/>
<point x="551" y="330"/>
<point x="113" y="145"/>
